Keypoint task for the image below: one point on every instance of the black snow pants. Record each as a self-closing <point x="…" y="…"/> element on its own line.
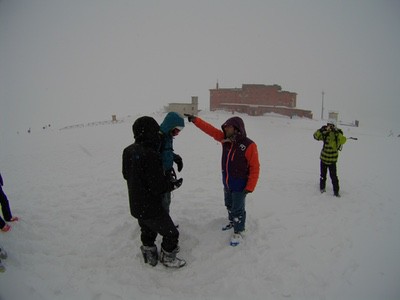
<point x="163" y="225"/>
<point x="5" y="208"/>
<point x="332" y="173"/>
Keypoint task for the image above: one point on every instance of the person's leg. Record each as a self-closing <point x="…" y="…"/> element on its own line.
<point x="228" y="203"/>
<point x="148" y="235"/>
<point x="148" y="249"/>
<point x="238" y="211"/>
<point x="5" y="206"/>
<point x="163" y="225"/>
<point x="2" y="223"/>
<point x="3" y="253"/>
<point x="334" y="178"/>
<point x="2" y="267"/>
<point x="322" y="177"/>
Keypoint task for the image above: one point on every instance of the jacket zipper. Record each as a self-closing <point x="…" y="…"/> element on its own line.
<point x="228" y="158"/>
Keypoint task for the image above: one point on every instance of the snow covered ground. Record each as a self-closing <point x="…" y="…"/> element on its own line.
<point x="77" y="240"/>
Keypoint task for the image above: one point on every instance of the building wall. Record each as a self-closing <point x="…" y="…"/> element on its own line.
<point x="256" y="99"/>
<point x="185" y="108"/>
<point x="219" y="96"/>
<point x="260" y="110"/>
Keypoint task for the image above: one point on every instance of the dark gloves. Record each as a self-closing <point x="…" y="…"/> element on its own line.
<point x="174" y="183"/>
<point x="178" y="161"/>
<point x="327" y="128"/>
<point x="324" y="130"/>
<point x="190" y="117"/>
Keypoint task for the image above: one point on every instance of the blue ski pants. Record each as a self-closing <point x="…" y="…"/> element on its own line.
<point x="235" y="204"/>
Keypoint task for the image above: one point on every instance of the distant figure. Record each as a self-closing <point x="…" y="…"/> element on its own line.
<point x="5" y="208"/>
<point x="170" y="128"/>
<point x="333" y="139"/>
<point x="142" y="169"/>
<point x="240" y="169"/>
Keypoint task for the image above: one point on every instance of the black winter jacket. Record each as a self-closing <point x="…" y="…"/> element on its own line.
<point x="142" y="169"/>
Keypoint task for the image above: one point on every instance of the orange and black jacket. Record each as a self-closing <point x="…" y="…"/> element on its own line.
<point x="239" y="163"/>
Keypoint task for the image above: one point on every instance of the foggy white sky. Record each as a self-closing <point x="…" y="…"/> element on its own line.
<point x="77" y="61"/>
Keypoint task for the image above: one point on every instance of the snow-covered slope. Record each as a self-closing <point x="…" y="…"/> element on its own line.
<point x="77" y="240"/>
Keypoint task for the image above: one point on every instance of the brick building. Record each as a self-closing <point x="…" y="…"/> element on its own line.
<point x="256" y="99"/>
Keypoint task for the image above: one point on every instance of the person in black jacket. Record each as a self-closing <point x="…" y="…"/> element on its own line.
<point x="5" y="209"/>
<point x="142" y="169"/>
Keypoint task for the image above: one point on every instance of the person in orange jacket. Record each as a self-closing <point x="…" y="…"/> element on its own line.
<point x="240" y="168"/>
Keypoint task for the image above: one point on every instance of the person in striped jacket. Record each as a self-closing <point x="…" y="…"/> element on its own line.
<point x="240" y="168"/>
<point x="333" y="139"/>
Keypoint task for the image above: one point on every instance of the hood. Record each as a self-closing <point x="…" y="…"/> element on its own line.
<point x="171" y="121"/>
<point x="145" y="130"/>
<point x="236" y="122"/>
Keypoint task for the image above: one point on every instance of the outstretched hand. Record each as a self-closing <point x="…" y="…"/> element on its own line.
<point x="190" y="117"/>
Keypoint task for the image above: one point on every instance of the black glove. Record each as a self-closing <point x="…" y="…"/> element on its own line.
<point x="178" y="161"/>
<point x="174" y="183"/>
<point x="324" y="130"/>
<point x="190" y="117"/>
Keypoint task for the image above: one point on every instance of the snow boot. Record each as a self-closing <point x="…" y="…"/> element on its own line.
<point x="227" y="227"/>
<point x="6" y="228"/>
<point x="2" y="267"/>
<point x="170" y="260"/>
<point x="13" y="219"/>
<point x="236" y="239"/>
<point x="3" y="253"/>
<point x="150" y="255"/>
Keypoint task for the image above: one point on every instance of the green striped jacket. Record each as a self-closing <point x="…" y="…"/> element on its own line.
<point x="333" y="141"/>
